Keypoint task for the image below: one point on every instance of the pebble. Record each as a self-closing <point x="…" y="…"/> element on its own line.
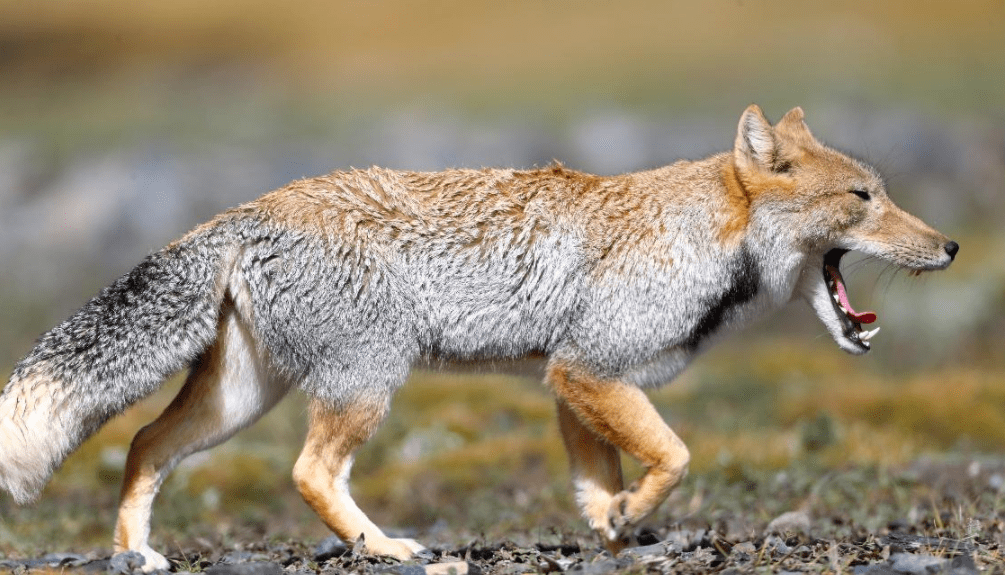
<point x="256" y="568"/>
<point x="658" y="549"/>
<point x="777" y="545"/>
<point x="791" y="522"/>
<point x="329" y="548"/>
<point x="745" y="550"/>
<point x="448" y="568"/>
<point x="126" y="563"/>
<point x="509" y="559"/>
<point x="601" y="567"/>
<point x="920" y="564"/>
<point x="915" y="564"/>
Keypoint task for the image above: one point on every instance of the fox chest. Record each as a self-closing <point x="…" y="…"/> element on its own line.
<point x="650" y="327"/>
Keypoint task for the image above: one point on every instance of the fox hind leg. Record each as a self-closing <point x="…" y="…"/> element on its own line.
<point x="596" y="471"/>
<point x="226" y="391"/>
<point x="322" y="473"/>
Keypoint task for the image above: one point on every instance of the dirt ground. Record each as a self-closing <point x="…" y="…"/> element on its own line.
<point x="935" y="515"/>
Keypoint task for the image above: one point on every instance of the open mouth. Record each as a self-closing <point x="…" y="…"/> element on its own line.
<point x="851" y="320"/>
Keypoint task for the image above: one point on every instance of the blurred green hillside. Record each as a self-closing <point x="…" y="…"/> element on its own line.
<point x="124" y="124"/>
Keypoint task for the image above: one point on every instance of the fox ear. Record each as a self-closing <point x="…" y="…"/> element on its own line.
<point x="755" y="140"/>
<point x="793" y="127"/>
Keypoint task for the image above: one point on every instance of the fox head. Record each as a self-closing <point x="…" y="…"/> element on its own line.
<point x="822" y="204"/>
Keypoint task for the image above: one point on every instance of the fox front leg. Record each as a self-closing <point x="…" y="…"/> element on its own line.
<point x="615" y="415"/>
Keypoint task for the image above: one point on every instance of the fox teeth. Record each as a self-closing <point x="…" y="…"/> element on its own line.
<point x="867" y="335"/>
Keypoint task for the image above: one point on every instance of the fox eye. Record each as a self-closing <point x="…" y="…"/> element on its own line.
<point x="861" y="193"/>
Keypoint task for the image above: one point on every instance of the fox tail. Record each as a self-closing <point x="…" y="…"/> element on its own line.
<point x="117" y="349"/>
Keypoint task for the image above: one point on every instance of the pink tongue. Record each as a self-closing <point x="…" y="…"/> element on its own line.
<point x="864" y="317"/>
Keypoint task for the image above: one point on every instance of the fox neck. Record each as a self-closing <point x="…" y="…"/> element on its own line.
<point x="765" y="269"/>
<point x="780" y="260"/>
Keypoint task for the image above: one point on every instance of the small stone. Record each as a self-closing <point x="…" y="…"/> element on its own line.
<point x="916" y="564"/>
<point x="234" y="557"/>
<point x="777" y="545"/>
<point x="245" y="569"/>
<point x="407" y="569"/>
<point x="791" y="522"/>
<point x="685" y="539"/>
<point x="453" y="568"/>
<point x="963" y="565"/>
<point x="745" y="547"/>
<point x="447" y="568"/>
<point x="876" y="569"/>
<point x="64" y="559"/>
<point x="657" y="550"/>
<point x="330" y="547"/>
<point x="97" y="566"/>
<point x="553" y="565"/>
<point x="600" y="567"/>
<point x="700" y="555"/>
<point x="521" y="568"/>
<point x="126" y="562"/>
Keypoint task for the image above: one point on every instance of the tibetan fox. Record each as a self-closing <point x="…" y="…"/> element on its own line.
<point x="337" y="285"/>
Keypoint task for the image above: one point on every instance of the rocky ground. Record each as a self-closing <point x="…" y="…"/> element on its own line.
<point x="506" y="514"/>
<point x="681" y="551"/>
<point x="933" y="516"/>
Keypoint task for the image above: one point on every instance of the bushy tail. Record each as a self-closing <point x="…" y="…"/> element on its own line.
<point x="114" y="351"/>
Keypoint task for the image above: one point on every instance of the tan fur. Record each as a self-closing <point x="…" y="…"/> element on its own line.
<point x="226" y="391"/>
<point x="322" y="473"/>
<point x="596" y="471"/>
<point x="521" y="204"/>
<point x="739" y="205"/>
<point x="621" y="416"/>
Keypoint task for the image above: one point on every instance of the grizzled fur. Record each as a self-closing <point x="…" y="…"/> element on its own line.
<point x="147" y="325"/>
<point x="339" y="284"/>
<point x="117" y="349"/>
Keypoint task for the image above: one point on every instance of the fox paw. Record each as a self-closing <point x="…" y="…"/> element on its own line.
<point x="617" y="533"/>
<point x="619" y="518"/>
<point x="402" y="549"/>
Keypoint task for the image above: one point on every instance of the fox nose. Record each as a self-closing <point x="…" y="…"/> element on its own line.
<point x="951" y="249"/>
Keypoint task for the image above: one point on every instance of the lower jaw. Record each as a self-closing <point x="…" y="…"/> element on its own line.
<point x="853" y="345"/>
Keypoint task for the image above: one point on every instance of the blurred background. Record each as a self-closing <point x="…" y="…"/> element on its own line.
<point x="125" y="124"/>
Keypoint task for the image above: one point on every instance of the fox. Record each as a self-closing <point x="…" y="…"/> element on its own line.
<point x="337" y="285"/>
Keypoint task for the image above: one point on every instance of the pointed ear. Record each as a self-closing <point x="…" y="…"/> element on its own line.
<point x="793" y="127"/>
<point x="755" y="140"/>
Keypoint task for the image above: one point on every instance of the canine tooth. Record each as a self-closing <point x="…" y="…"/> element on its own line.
<point x="867" y="335"/>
